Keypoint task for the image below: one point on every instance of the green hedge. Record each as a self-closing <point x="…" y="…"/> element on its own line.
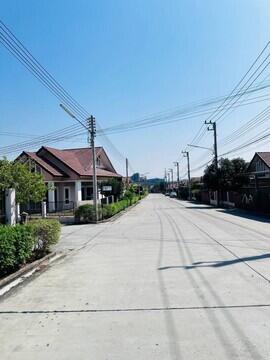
<point x="86" y="213"/>
<point x="16" y="246"/>
<point x="22" y="243"/>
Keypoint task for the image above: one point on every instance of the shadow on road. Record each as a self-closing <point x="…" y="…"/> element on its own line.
<point x="246" y="215"/>
<point x="216" y="264"/>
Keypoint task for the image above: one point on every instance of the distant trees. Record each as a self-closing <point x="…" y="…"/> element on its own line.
<point x="231" y="175"/>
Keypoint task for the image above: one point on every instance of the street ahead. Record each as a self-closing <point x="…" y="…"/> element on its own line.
<point x="167" y="280"/>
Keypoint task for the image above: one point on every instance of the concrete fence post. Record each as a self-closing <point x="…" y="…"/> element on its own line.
<point x="18" y="213"/>
<point x="44" y="209"/>
<point x="10" y="207"/>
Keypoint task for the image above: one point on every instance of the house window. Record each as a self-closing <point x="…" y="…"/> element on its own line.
<point x="87" y="193"/>
<point x="98" y="161"/>
<point x="66" y="195"/>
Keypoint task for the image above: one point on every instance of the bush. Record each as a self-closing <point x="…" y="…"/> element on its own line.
<point x="45" y="233"/>
<point x="86" y="213"/>
<point x="16" y="247"/>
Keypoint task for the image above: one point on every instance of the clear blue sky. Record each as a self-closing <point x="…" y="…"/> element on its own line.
<point x="126" y="59"/>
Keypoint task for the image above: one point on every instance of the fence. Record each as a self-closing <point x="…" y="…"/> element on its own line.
<point x="60" y="208"/>
<point x="54" y="209"/>
<point x="2" y="208"/>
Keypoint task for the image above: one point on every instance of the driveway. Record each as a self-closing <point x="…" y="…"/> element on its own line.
<point x="167" y="280"/>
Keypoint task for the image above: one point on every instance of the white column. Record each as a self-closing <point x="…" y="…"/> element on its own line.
<point x="78" y="192"/>
<point x="51" y="198"/>
<point x="10" y="206"/>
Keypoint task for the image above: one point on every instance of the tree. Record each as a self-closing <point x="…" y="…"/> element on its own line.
<point x="117" y="187"/>
<point x="29" y="186"/>
<point x="232" y="174"/>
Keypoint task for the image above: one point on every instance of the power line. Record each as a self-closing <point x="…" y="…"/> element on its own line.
<point x="19" y="51"/>
<point x="226" y="104"/>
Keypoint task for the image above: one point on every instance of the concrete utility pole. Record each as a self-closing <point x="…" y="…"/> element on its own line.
<point x="127" y="172"/>
<point x="168" y="174"/>
<point x="186" y="154"/>
<point x="213" y="127"/>
<point x="171" y="170"/>
<point x="165" y="181"/>
<point x="92" y="134"/>
<point x="178" y="178"/>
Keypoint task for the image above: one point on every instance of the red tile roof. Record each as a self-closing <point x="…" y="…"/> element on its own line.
<point x="43" y="164"/>
<point x="80" y="160"/>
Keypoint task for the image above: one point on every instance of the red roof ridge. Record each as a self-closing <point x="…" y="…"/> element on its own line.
<point x="71" y="149"/>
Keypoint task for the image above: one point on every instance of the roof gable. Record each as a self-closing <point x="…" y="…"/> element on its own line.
<point x="45" y="165"/>
<point x="80" y="160"/>
<point x="263" y="156"/>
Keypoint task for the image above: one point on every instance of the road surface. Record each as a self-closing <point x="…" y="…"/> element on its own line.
<point x="167" y="280"/>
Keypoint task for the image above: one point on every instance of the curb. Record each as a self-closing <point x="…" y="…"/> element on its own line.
<point x="116" y="216"/>
<point x="13" y="280"/>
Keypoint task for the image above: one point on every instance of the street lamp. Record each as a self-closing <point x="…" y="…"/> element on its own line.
<point x="201" y="147"/>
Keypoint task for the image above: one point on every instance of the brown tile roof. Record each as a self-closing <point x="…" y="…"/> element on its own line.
<point x="44" y="164"/>
<point x="80" y="160"/>
<point x="265" y="156"/>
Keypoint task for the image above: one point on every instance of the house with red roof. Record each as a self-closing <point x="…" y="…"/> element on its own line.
<point x="69" y="173"/>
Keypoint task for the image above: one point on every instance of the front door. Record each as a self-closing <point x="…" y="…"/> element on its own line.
<point x="66" y="196"/>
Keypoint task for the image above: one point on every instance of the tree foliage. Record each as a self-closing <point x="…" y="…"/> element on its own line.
<point x="117" y="187"/>
<point x="29" y="186"/>
<point x="231" y="174"/>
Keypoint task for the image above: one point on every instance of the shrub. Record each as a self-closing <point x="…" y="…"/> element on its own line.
<point x="46" y="233"/>
<point x="16" y="246"/>
<point x="86" y="213"/>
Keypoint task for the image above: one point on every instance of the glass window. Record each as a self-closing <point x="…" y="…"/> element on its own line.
<point x="66" y="195"/>
<point x="87" y="193"/>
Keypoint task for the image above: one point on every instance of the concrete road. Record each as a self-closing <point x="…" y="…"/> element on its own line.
<point x="167" y="280"/>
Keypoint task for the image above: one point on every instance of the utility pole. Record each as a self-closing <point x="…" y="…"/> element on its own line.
<point x="186" y="154"/>
<point x="213" y="127"/>
<point x="171" y="170"/>
<point x="165" y="181"/>
<point x="92" y="134"/>
<point x="168" y="180"/>
<point x="178" y="178"/>
<point x="127" y="172"/>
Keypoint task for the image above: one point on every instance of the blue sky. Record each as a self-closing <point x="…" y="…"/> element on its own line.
<point x="124" y="60"/>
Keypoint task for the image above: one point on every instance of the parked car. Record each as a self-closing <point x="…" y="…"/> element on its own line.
<point x="173" y="194"/>
<point x="167" y="194"/>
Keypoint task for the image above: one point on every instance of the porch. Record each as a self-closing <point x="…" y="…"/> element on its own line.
<point x="64" y="194"/>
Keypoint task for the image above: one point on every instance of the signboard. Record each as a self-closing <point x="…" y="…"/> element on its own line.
<point x="106" y="188"/>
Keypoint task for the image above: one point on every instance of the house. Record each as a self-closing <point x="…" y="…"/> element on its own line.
<point x="69" y="173"/>
<point x="260" y="164"/>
